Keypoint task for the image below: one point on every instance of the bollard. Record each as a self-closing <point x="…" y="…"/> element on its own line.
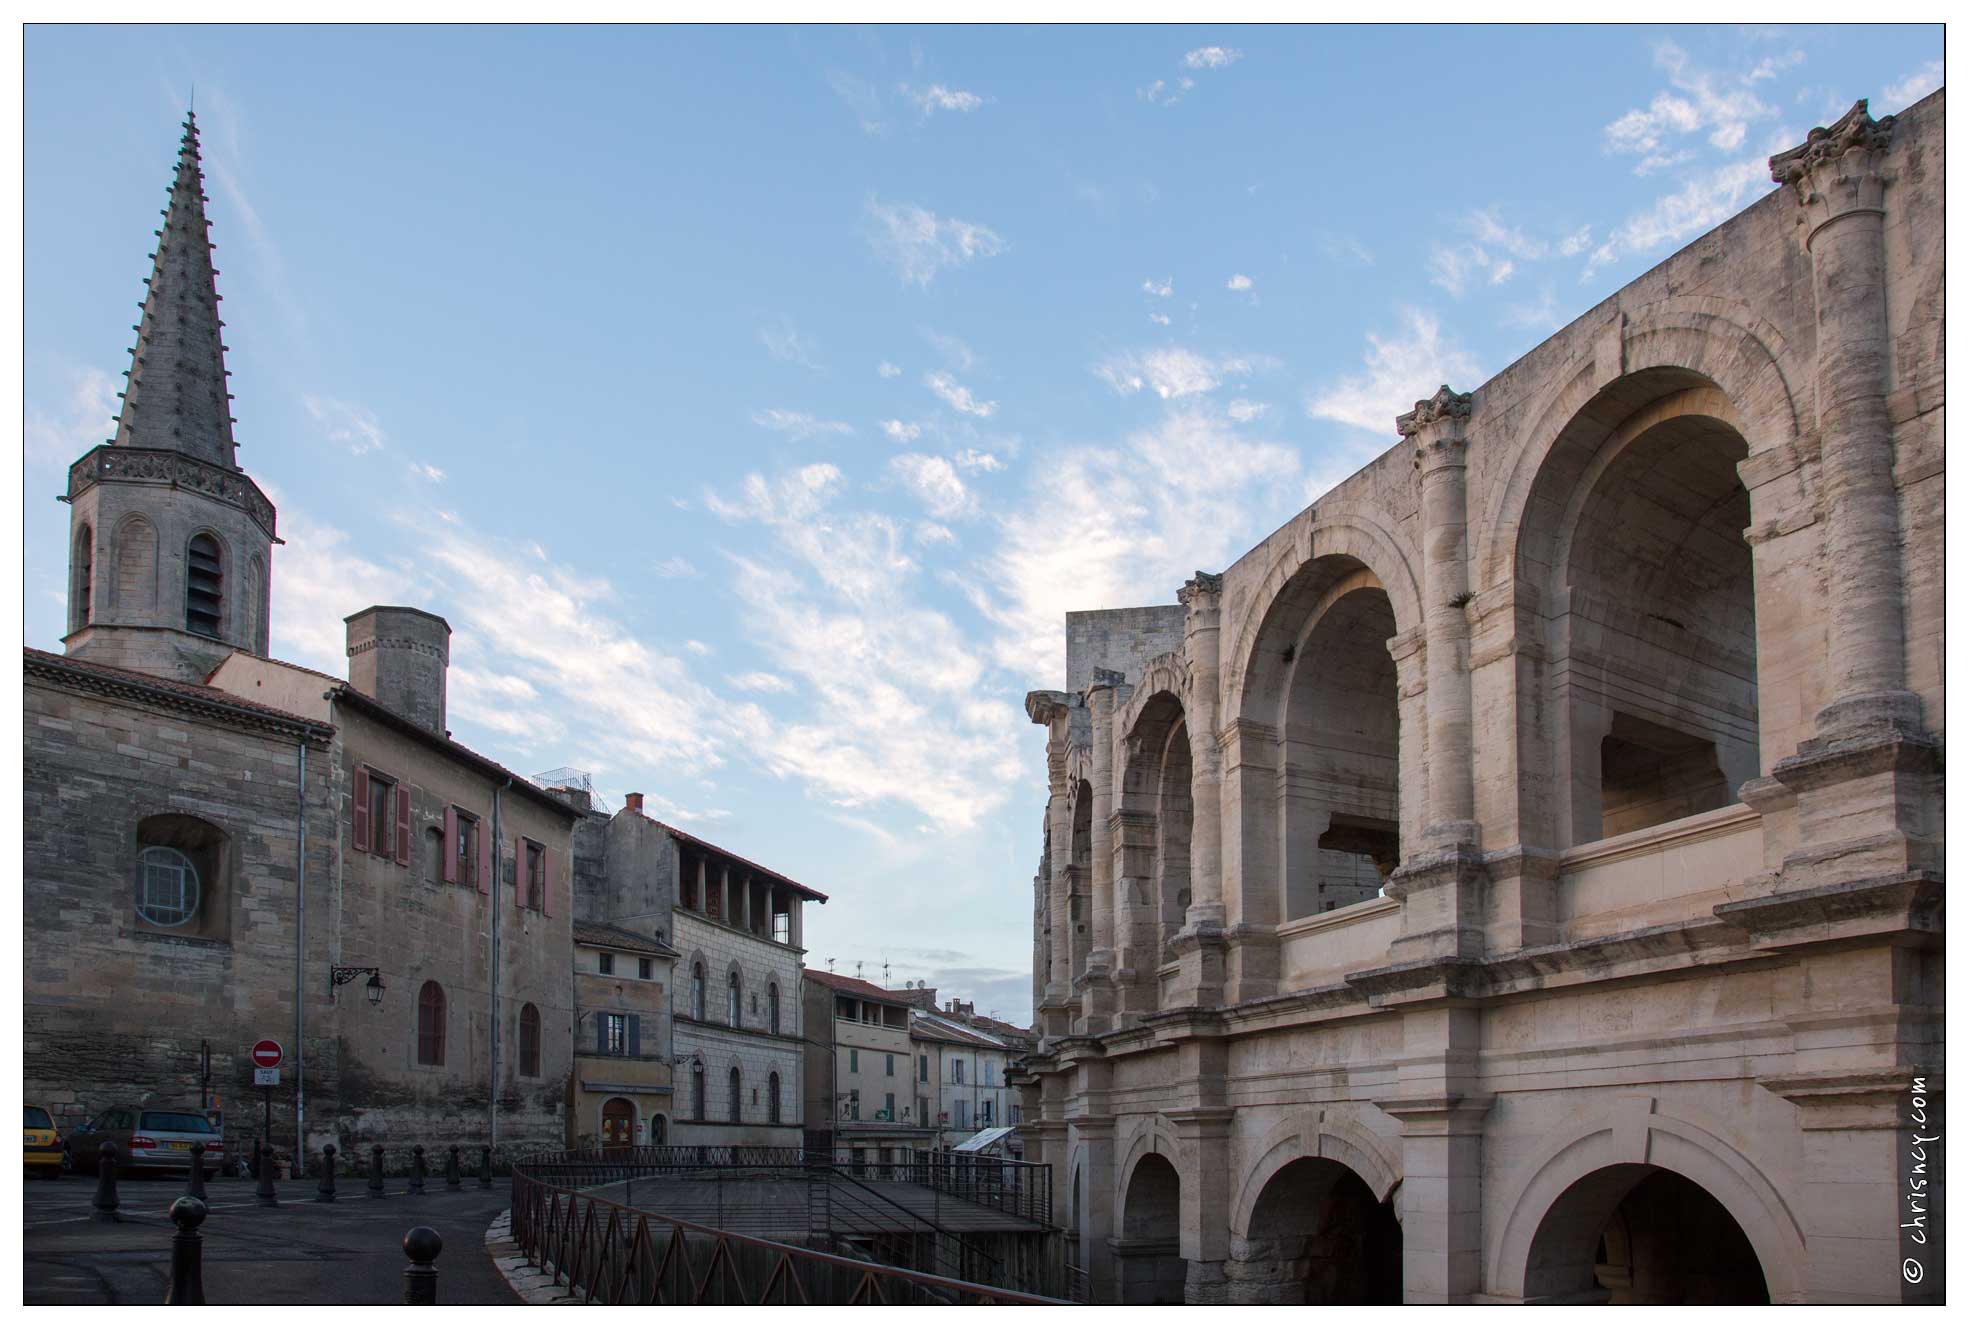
<point x="375" y="1171"/>
<point x="420" y="1278"/>
<point x="485" y="1167"/>
<point x="196" y="1186"/>
<point x="105" y="1201"/>
<point x="263" y="1165"/>
<point x="325" y="1193"/>
<point x="187" y="1257"/>
<point x="417" y="1170"/>
<point x="454" y="1177"/>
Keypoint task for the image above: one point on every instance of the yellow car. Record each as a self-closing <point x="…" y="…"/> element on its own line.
<point x="44" y="1143"/>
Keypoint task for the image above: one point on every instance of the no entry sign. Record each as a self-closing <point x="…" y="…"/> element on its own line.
<point x="266" y="1053"/>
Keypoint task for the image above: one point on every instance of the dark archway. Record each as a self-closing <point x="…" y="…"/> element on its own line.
<point x="1318" y="1236"/>
<point x="1148" y="1254"/>
<point x="1634" y="1234"/>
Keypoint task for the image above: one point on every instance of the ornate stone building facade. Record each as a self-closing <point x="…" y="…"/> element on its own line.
<point x="1519" y="877"/>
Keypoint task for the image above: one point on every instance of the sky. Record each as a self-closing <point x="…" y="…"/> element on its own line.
<point x="755" y="402"/>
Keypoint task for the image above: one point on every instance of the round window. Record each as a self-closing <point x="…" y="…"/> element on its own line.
<point x="167" y="887"/>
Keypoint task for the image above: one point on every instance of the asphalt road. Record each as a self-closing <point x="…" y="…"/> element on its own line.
<point x="298" y="1253"/>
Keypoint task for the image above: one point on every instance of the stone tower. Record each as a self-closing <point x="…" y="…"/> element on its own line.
<point x="169" y="541"/>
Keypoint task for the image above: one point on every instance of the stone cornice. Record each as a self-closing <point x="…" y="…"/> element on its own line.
<point x="1908" y="904"/>
<point x="1851" y="1099"/>
<point x="109" y="463"/>
<point x="1044" y="706"/>
<point x="125" y="686"/>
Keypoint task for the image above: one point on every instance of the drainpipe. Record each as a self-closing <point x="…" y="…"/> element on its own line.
<point x="300" y="952"/>
<point x="492" y="1075"/>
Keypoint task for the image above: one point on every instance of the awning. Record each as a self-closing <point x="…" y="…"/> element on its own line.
<point x="983" y="1140"/>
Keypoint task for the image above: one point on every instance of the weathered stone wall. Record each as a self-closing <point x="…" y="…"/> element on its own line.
<point x="1120" y="639"/>
<point x="752" y="1048"/>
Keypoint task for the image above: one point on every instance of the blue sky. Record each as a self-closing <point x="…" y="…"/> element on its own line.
<point x="754" y="402"/>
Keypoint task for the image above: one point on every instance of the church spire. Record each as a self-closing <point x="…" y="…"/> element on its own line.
<point x="176" y="398"/>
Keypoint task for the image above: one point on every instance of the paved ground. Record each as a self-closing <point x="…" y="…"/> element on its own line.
<point x="777" y="1207"/>
<point x="301" y="1252"/>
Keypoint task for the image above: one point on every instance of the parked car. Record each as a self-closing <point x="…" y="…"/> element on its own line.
<point x="44" y="1143"/>
<point x="148" y="1137"/>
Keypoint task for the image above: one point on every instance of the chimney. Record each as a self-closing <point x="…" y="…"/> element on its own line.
<point x="398" y="656"/>
<point x="634" y="802"/>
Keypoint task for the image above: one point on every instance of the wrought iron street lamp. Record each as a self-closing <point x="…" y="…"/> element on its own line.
<point x="345" y="973"/>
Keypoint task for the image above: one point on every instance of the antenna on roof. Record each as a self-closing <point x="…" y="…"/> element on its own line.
<point x="885" y="973"/>
<point x="830" y="964"/>
<point x="857" y="970"/>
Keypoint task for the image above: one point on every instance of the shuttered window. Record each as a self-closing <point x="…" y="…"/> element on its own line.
<point x="772" y="1098"/>
<point x="737" y="1089"/>
<point x="430" y="1024"/>
<point x="530" y="1039"/>
<point x="204" y="583"/>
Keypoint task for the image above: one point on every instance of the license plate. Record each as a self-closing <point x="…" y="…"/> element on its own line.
<point x="179" y="1144"/>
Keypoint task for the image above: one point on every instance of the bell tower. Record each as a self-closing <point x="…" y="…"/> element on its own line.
<point x="170" y="543"/>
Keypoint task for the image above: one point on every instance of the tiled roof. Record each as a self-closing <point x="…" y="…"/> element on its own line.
<point x="621" y="939"/>
<point x="194" y="696"/>
<point x="938" y="1030"/>
<point x="688" y="838"/>
<point x="348" y="695"/>
<point x="859" y="987"/>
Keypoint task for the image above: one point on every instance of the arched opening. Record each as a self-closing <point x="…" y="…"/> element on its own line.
<point x="697" y="990"/>
<point x="1634" y="535"/>
<point x="204" y="586"/>
<point x="184" y="877"/>
<point x="82" y="577"/>
<point x="1148" y="1256"/>
<point x="133" y="554"/>
<point x="618" y="1124"/>
<point x="772" y="1098"/>
<point x="530" y="1040"/>
<point x="772" y="1007"/>
<point x="659" y="1128"/>
<point x="735" y="1105"/>
<point x="430" y="1024"/>
<point x="1080" y="898"/>
<point x="733" y="1007"/>
<point x="1317" y="1236"/>
<point x="1635" y="1234"/>
<point x="698" y="1105"/>
<point x="1153" y="868"/>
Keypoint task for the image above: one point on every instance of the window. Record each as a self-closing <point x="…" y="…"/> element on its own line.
<point x="923" y="1066"/>
<point x="167" y="887"/>
<point x="697" y="997"/>
<point x="923" y="1111"/>
<point x="889" y="1064"/>
<point x="772" y="1007"/>
<point x="536" y="878"/>
<point x="465" y="853"/>
<point x="379" y="815"/>
<point x="956" y="1070"/>
<point x="732" y="1007"/>
<point x="530" y="1040"/>
<point x="697" y="1093"/>
<point x="613" y="1038"/>
<point x="772" y="1098"/>
<point x="854" y="1061"/>
<point x="645" y="967"/>
<point x="854" y="1105"/>
<point x="984" y="1113"/>
<point x="382" y="821"/>
<point x="430" y="1024"/>
<point x="736" y="1094"/>
<point x="204" y="579"/>
<point x="783" y="929"/>
<point x="963" y="1115"/>
<point x="607" y="959"/>
<point x="888" y="1107"/>
<point x="84" y="571"/>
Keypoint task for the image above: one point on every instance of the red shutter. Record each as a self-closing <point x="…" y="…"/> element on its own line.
<point x="519" y="871"/>
<point x="485" y="857"/>
<point x="403" y="826"/>
<point x="360" y="812"/>
<point x="450" y="873"/>
<point x="547" y="885"/>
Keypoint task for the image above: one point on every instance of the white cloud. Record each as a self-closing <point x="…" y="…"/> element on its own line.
<point x="953" y="349"/>
<point x="937" y="97"/>
<point x="1163" y="288"/>
<point x="1705" y="201"/>
<point x="919" y="244"/>
<point x="345" y="422"/>
<point x="1576" y="243"/>
<point x="1168" y="371"/>
<point x="696" y="647"/>
<point x="1212" y="57"/>
<point x="859" y="96"/>
<point x="935" y="482"/>
<point x="901" y="432"/>
<point x="674" y="567"/>
<point x="1400" y="369"/>
<point x="760" y="681"/>
<point x="84" y="417"/>
<point x="933" y="533"/>
<point x="1502" y="272"/>
<point x="1697" y="99"/>
<point x="1125" y="525"/>
<point x="784" y="341"/>
<point x="1160" y="320"/>
<point x="970" y="459"/>
<point x="1160" y="93"/>
<point x="1238" y="282"/>
<point x="798" y="425"/>
<point x="1898" y="96"/>
<point x="887" y="370"/>
<point x="424" y="470"/>
<point x="957" y="396"/>
<point x="1541" y="315"/>
<point x="1244" y="412"/>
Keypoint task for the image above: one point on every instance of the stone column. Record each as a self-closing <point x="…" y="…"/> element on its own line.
<point x="1098" y="1221"/>
<point x="1200" y="945"/>
<point x="1442" y="1117"/>
<point x="1838" y="180"/>
<point x="1436" y="430"/>
<point x="1137" y="922"/>
<point x="1097" y="995"/>
<point x="1206" y="1196"/>
<point x="1054" y="1014"/>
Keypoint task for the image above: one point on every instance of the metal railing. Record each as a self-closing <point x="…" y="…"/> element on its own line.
<point x="612" y="1253"/>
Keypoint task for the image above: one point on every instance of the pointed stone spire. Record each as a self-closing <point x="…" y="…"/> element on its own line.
<point x="176" y="398"/>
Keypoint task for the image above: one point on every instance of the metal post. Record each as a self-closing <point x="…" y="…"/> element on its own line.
<point x="420" y="1278"/>
<point x="325" y="1193"/>
<point x="187" y="1255"/>
<point x="485" y="1167"/>
<point x="195" y="1186"/>
<point x="300" y="949"/>
<point x="105" y="1202"/>
<point x="263" y="1167"/>
<point x="375" y="1171"/>
<point x="417" y="1170"/>
<point x="454" y="1177"/>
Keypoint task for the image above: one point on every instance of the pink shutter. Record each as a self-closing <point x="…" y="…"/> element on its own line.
<point x="360" y="812"/>
<point x="403" y="826"/>
<point x="546" y="883"/>
<point x="519" y="871"/>
<point x="450" y="873"/>
<point x="485" y="857"/>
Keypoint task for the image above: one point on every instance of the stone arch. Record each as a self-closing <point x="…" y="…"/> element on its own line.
<point x="1634" y="1133"/>
<point x="211" y="587"/>
<point x="1157" y="1135"/>
<point x="255" y="602"/>
<point x="1150" y="1268"/>
<point x="81" y="576"/>
<point x="732" y="999"/>
<point x="133" y="560"/>
<point x="1152" y="828"/>
<point x="697" y="987"/>
<point x="1168" y="675"/>
<point x="1722" y="342"/>
<point x="1319" y="1133"/>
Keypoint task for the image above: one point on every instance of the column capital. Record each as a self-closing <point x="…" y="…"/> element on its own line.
<point x="1199" y="586"/>
<point x="1043" y="707"/>
<point x="1837" y="170"/>
<point x="1437" y="428"/>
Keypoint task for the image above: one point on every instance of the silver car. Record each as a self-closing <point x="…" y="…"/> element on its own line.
<point x="148" y="1137"/>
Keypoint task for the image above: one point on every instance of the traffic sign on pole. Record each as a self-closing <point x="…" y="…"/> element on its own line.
<point x="266" y="1053"/>
<point x="266" y="1075"/>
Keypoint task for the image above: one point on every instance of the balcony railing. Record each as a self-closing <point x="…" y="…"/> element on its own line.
<point x="615" y="1254"/>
